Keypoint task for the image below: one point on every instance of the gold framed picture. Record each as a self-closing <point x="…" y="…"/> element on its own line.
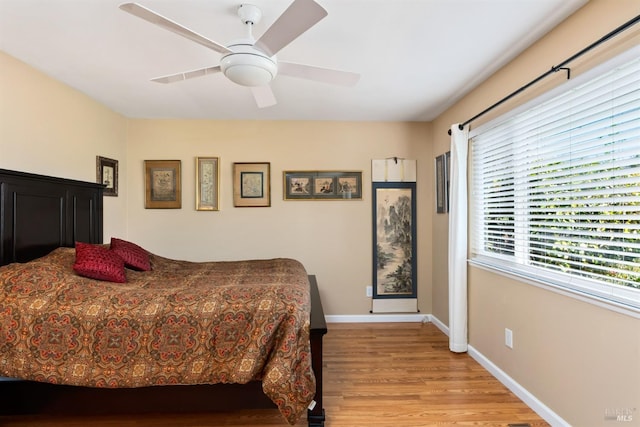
<point x="107" y="174"/>
<point x="252" y="184"/>
<point x="163" y="185"/>
<point x="322" y="185"/>
<point x="207" y="184"/>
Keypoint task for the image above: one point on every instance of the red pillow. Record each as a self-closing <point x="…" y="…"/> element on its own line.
<point x="133" y="255"/>
<point x="98" y="262"/>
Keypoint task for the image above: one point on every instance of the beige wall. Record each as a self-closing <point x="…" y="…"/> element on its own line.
<point x="331" y="238"/>
<point x="578" y="359"/>
<point x="50" y="129"/>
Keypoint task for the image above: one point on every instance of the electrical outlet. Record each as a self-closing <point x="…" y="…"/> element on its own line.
<point x="369" y="291"/>
<point x="508" y="337"/>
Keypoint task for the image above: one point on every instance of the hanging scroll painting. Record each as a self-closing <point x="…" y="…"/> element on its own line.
<point x="394" y="234"/>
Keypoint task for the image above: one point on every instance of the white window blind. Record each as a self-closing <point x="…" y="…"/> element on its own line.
<point x="556" y="189"/>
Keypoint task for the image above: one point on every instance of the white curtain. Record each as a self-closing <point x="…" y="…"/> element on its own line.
<point x="458" y="240"/>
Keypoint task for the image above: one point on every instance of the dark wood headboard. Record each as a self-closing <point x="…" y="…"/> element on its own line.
<point x="40" y="213"/>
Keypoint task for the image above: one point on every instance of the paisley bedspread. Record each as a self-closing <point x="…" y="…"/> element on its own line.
<point x="180" y="323"/>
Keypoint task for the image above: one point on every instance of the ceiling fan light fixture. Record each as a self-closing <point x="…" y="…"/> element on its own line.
<point x="249" y="67"/>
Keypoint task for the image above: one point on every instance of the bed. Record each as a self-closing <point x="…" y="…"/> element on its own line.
<point x="177" y="335"/>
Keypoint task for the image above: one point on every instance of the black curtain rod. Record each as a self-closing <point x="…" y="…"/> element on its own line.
<point x="555" y="69"/>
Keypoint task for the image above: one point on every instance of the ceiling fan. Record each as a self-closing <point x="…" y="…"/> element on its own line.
<point x="250" y="62"/>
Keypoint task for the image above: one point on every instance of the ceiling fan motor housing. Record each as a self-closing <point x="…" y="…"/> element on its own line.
<point x="247" y="66"/>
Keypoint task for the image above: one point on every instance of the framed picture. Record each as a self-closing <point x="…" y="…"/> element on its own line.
<point x="251" y="184"/>
<point x="163" y="185"/>
<point x="394" y="240"/>
<point x="322" y="185"/>
<point x="442" y="183"/>
<point x="107" y="174"/>
<point x="207" y="183"/>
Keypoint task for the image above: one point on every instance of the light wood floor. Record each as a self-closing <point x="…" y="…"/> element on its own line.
<point x="376" y="375"/>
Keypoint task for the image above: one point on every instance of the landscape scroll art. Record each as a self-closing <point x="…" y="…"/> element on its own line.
<point x="394" y="239"/>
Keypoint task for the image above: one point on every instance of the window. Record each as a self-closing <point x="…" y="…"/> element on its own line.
<point x="556" y="188"/>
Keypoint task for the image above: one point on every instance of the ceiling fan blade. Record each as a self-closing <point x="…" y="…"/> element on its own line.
<point x="298" y="18"/>
<point x="325" y="75"/>
<point x="152" y="17"/>
<point x="264" y="96"/>
<point x="172" y="78"/>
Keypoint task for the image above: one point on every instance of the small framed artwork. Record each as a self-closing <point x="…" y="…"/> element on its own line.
<point x="298" y="185"/>
<point x="251" y="185"/>
<point x="207" y="183"/>
<point x="107" y="174"/>
<point x="163" y="185"/>
<point x="442" y="183"/>
<point x="322" y="185"/>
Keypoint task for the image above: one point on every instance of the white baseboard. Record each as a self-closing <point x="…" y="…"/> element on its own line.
<point x="377" y="318"/>
<point x="439" y="324"/>
<point x="529" y="399"/>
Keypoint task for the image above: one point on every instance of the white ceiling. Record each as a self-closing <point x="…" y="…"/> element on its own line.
<point x="415" y="57"/>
